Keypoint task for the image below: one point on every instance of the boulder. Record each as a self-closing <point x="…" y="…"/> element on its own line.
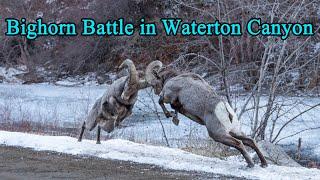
<point x="275" y="155"/>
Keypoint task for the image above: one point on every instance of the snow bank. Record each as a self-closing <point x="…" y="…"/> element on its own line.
<point x="316" y="151"/>
<point x="162" y="156"/>
<point x="9" y="74"/>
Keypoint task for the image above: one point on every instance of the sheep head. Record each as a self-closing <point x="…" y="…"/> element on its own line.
<point x="110" y="109"/>
<point x="152" y="76"/>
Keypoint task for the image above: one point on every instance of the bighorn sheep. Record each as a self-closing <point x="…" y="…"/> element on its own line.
<point x="190" y="95"/>
<point x="116" y="103"/>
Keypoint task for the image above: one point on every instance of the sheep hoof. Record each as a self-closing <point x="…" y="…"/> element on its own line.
<point x="79" y="140"/>
<point x="117" y="124"/>
<point x="264" y="165"/>
<point x="98" y="142"/>
<point x="250" y="165"/>
<point x="168" y="114"/>
<point x="175" y="121"/>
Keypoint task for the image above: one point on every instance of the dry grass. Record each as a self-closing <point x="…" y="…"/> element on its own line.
<point x="38" y="128"/>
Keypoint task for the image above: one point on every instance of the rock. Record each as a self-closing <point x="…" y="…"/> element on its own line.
<point x="275" y="155"/>
<point x="101" y="79"/>
<point x="30" y="78"/>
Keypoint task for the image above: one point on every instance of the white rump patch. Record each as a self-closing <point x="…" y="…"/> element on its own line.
<point x="222" y="111"/>
<point x="230" y="110"/>
<point x="222" y="114"/>
<point x="235" y="122"/>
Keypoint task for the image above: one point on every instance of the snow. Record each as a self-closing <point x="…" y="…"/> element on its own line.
<point x="9" y="74"/>
<point x="50" y="1"/>
<point x="316" y="150"/>
<point x="169" y="158"/>
<point x="46" y="102"/>
<point x="292" y="107"/>
<point x="39" y="14"/>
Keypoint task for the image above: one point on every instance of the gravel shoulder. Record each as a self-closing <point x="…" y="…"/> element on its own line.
<point x="23" y="163"/>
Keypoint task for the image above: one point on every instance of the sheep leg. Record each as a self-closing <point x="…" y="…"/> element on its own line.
<point x="175" y="119"/>
<point x="81" y="132"/>
<point x="190" y="116"/>
<point x="164" y="109"/>
<point x="251" y="143"/>
<point x="233" y="142"/>
<point x="98" y="135"/>
<point x="176" y="105"/>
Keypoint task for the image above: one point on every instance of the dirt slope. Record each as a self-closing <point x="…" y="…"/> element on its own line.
<point x="21" y="163"/>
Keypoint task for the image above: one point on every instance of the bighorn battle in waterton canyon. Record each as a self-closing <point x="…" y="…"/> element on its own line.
<point x="147" y="89"/>
<point x="190" y="95"/>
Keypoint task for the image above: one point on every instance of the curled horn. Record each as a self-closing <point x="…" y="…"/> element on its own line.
<point x="133" y="73"/>
<point x="152" y="70"/>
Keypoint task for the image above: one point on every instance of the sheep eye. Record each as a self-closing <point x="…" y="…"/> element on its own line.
<point x="154" y="72"/>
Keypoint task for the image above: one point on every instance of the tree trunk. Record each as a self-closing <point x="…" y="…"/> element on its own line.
<point x="25" y="55"/>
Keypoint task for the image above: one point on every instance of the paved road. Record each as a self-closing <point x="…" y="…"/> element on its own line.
<point x="22" y="163"/>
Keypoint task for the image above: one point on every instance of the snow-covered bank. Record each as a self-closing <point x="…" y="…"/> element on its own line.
<point x="162" y="156"/>
<point x="8" y="75"/>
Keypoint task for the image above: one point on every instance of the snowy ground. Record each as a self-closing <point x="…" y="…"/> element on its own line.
<point x="8" y="74"/>
<point x="170" y="158"/>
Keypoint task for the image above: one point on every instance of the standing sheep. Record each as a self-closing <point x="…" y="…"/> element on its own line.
<point x="190" y="95"/>
<point x="116" y="103"/>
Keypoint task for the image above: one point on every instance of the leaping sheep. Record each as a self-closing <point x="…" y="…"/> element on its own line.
<point x="190" y="95"/>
